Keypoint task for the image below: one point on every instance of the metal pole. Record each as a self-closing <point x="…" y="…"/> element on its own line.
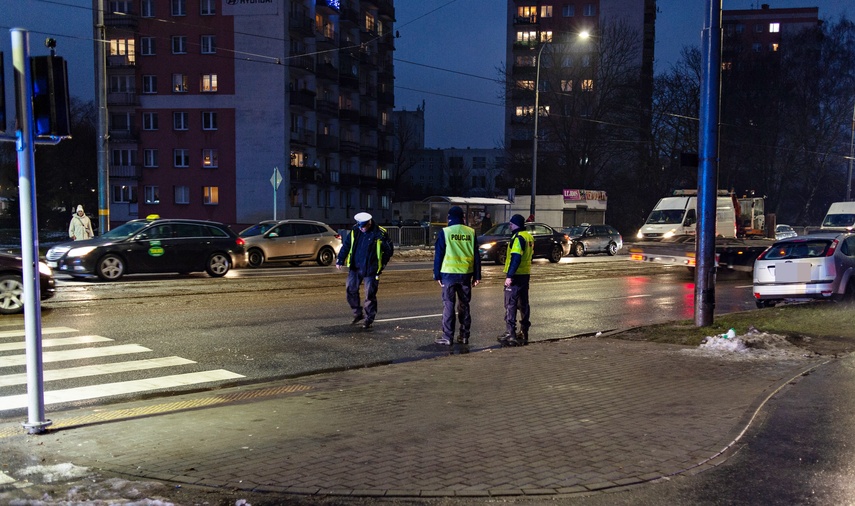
<point x="103" y="125"/>
<point x="534" y="140"/>
<point x="708" y="166"/>
<point x="36" y="422"/>
<point x="851" y="158"/>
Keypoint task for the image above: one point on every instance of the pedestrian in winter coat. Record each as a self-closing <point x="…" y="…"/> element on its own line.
<point x="80" y="227"/>
<point x="365" y="251"/>
<point x="517" y="275"/>
<point x="457" y="268"/>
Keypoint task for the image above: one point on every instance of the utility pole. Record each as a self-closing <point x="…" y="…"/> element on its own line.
<point x="103" y="125"/>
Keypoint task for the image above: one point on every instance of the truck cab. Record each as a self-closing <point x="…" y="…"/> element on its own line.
<point x="840" y="217"/>
<point x="677" y="216"/>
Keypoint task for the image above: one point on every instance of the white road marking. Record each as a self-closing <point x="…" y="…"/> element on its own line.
<point x="120" y="388"/>
<point x="48" y="330"/>
<point x="60" y="356"/>
<point x="95" y="370"/>
<point x="409" y="317"/>
<point x="63" y="341"/>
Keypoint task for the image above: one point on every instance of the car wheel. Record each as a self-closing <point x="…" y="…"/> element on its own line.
<point x="326" y="256"/>
<point x="761" y="303"/>
<point x="612" y="249"/>
<point x="218" y="265"/>
<point x="578" y="249"/>
<point x="255" y="257"/>
<point x="556" y="253"/>
<point x="501" y="255"/>
<point x="110" y="268"/>
<point x="11" y="294"/>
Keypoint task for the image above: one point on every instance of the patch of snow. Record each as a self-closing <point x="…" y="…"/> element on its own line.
<point x="51" y="474"/>
<point x="753" y="345"/>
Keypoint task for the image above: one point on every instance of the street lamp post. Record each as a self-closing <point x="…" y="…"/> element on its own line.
<point x="534" y="139"/>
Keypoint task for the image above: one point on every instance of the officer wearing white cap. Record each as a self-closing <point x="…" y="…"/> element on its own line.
<point x="457" y="268"/>
<point x="365" y="251"/>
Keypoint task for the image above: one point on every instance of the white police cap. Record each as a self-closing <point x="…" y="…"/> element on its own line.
<point x="362" y="217"/>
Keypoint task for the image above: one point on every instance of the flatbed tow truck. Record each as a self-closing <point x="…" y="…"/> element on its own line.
<point x="740" y="229"/>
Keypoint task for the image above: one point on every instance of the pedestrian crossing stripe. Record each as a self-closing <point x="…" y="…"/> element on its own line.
<point x="121" y="388"/>
<point x="63" y="341"/>
<point x="60" y="356"/>
<point x="95" y="370"/>
<point x="49" y="330"/>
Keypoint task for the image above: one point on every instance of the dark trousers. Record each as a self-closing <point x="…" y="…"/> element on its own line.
<point x="461" y="294"/>
<point x="516" y="299"/>
<point x="355" y="278"/>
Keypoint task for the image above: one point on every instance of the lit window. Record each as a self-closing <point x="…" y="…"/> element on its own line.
<point x="152" y="195"/>
<point x="528" y="12"/>
<point x="546" y="11"/>
<point x="211" y="195"/>
<point x="527" y="37"/>
<point x="209" y="82"/>
<point x="209" y="120"/>
<point x="525" y="85"/>
<point x="209" y="158"/>
<point x="179" y="83"/>
<point x="179" y="44"/>
<point x="774" y="27"/>
<point x="123" y="47"/>
<point x="182" y="194"/>
<point x="181" y="158"/>
<point x="370" y="22"/>
<point x="544" y="110"/>
<point x="524" y="110"/>
<point x="774" y="47"/>
<point x="208" y="44"/>
<point x="587" y="85"/>
<point x="180" y="120"/>
<point x="566" y="85"/>
<point x="208" y="7"/>
<point x="546" y="36"/>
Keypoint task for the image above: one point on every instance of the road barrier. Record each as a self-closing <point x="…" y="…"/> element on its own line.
<point x="408" y="236"/>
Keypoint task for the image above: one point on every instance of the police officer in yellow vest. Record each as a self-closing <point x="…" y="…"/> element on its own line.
<point x="365" y="251"/>
<point x="457" y="268"/>
<point x="517" y="274"/>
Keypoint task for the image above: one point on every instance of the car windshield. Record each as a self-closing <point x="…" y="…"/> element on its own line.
<point x="258" y="229"/>
<point x="124" y="231"/>
<point x="783" y="228"/>
<point x="666" y="216"/>
<point x="575" y="231"/>
<point x="798" y="249"/>
<point x="839" y="220"/>
<point x="500" y="229"/>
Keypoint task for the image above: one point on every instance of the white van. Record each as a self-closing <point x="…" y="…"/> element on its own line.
<point x="678" y="215"/>
<point x="840" y="217"/>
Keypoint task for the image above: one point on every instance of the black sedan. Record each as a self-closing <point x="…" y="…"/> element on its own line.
<point x="12" y="283"/>
<point x="548" y="242"/>
<point x="152" y="245"/>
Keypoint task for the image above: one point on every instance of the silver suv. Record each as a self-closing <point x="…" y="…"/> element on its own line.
<point x="293" y="241"/>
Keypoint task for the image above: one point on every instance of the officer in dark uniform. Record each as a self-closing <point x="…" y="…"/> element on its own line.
<point x="365" y="251"/>
<point x="457" y="268"/>
<point x="517" y="274"/>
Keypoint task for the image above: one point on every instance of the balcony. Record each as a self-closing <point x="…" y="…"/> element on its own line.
<point x="385" y="184"/>
<point x="367" y="151"/>
<point x="349" y="179"/>
<point x="369" y="181"/>
<point x="349" y="80"/>
<point x="350" y="115"/>
<point x="123" y="134"/>
<point x="368" y="120"/>
<point x="122" y="98"/>
<point x="302" y="62"/>
<point x="525" y="20"/>
<point x="117" y="61"/>
<point x="386" y="98"/>
<point x="303" y="98"/>
<point x="304" y="174"/>
<point x="347" y="15"/>
<point x="349" y="147"/>
<point x="126" y="171"/>
<point x="303" y="136"/>
<point x="302" y="25"/>
<point x="328" y="142"/>
<point x="120" y="20"/>
<point x="327" y="107"/>
<point x="326" y="71"/>
<point x="385" y="8"/>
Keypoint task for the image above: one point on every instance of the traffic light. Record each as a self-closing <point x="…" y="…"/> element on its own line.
<point x="50" y="96"/>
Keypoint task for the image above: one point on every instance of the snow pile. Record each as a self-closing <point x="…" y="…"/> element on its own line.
<point x="753" y="345"/>
<point x="55" y="473"/>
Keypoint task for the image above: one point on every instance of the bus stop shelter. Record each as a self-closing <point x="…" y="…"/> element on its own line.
<point x="474" y="208"/>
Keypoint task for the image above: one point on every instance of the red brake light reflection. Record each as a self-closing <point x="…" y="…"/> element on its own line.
<point x="830" y="251"/>
<point x="240" y="242"/>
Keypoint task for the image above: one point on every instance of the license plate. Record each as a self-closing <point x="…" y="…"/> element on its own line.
<point x="792" y="272"/>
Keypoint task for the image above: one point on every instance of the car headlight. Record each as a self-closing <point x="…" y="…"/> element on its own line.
<point x="487" y="246"/>
<point x="44" y="269"/>
<point x="668" y="234"/>
<point x="80" y="252"/>
<point x="640" y="234"/>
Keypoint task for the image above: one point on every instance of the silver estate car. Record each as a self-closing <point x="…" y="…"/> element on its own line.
<point x="816" y="266"/>
<point x="293" y="241"/>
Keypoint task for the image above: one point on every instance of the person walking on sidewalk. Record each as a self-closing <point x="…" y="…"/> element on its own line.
<point x="80" y="227"/>
<point x="365" y="251"/>
<point x="457" y="268"/>
<point x="517" y="274"/>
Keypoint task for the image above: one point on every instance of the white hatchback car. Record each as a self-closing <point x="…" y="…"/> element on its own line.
<point x="816" y="266"/>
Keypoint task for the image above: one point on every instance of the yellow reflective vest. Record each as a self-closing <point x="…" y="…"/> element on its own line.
<point x="521" y="243"/>
<point x="459" y="250"/>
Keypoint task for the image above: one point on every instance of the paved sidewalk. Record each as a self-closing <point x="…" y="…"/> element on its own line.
<point x="564" y="417"/>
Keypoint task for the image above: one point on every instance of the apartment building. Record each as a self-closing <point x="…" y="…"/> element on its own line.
<point x="209" y="100"/>
<point x="753" y="33"/>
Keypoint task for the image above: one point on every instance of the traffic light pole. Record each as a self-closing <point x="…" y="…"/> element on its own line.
<point x="103" y="130"/>
<point x="36" y="422"/>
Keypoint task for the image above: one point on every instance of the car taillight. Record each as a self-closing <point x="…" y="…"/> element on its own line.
<point x="763" y="255"/>
<point x="240" y="242"/>
<point x="830" y="251"/>
<point x="338" y="236"/>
